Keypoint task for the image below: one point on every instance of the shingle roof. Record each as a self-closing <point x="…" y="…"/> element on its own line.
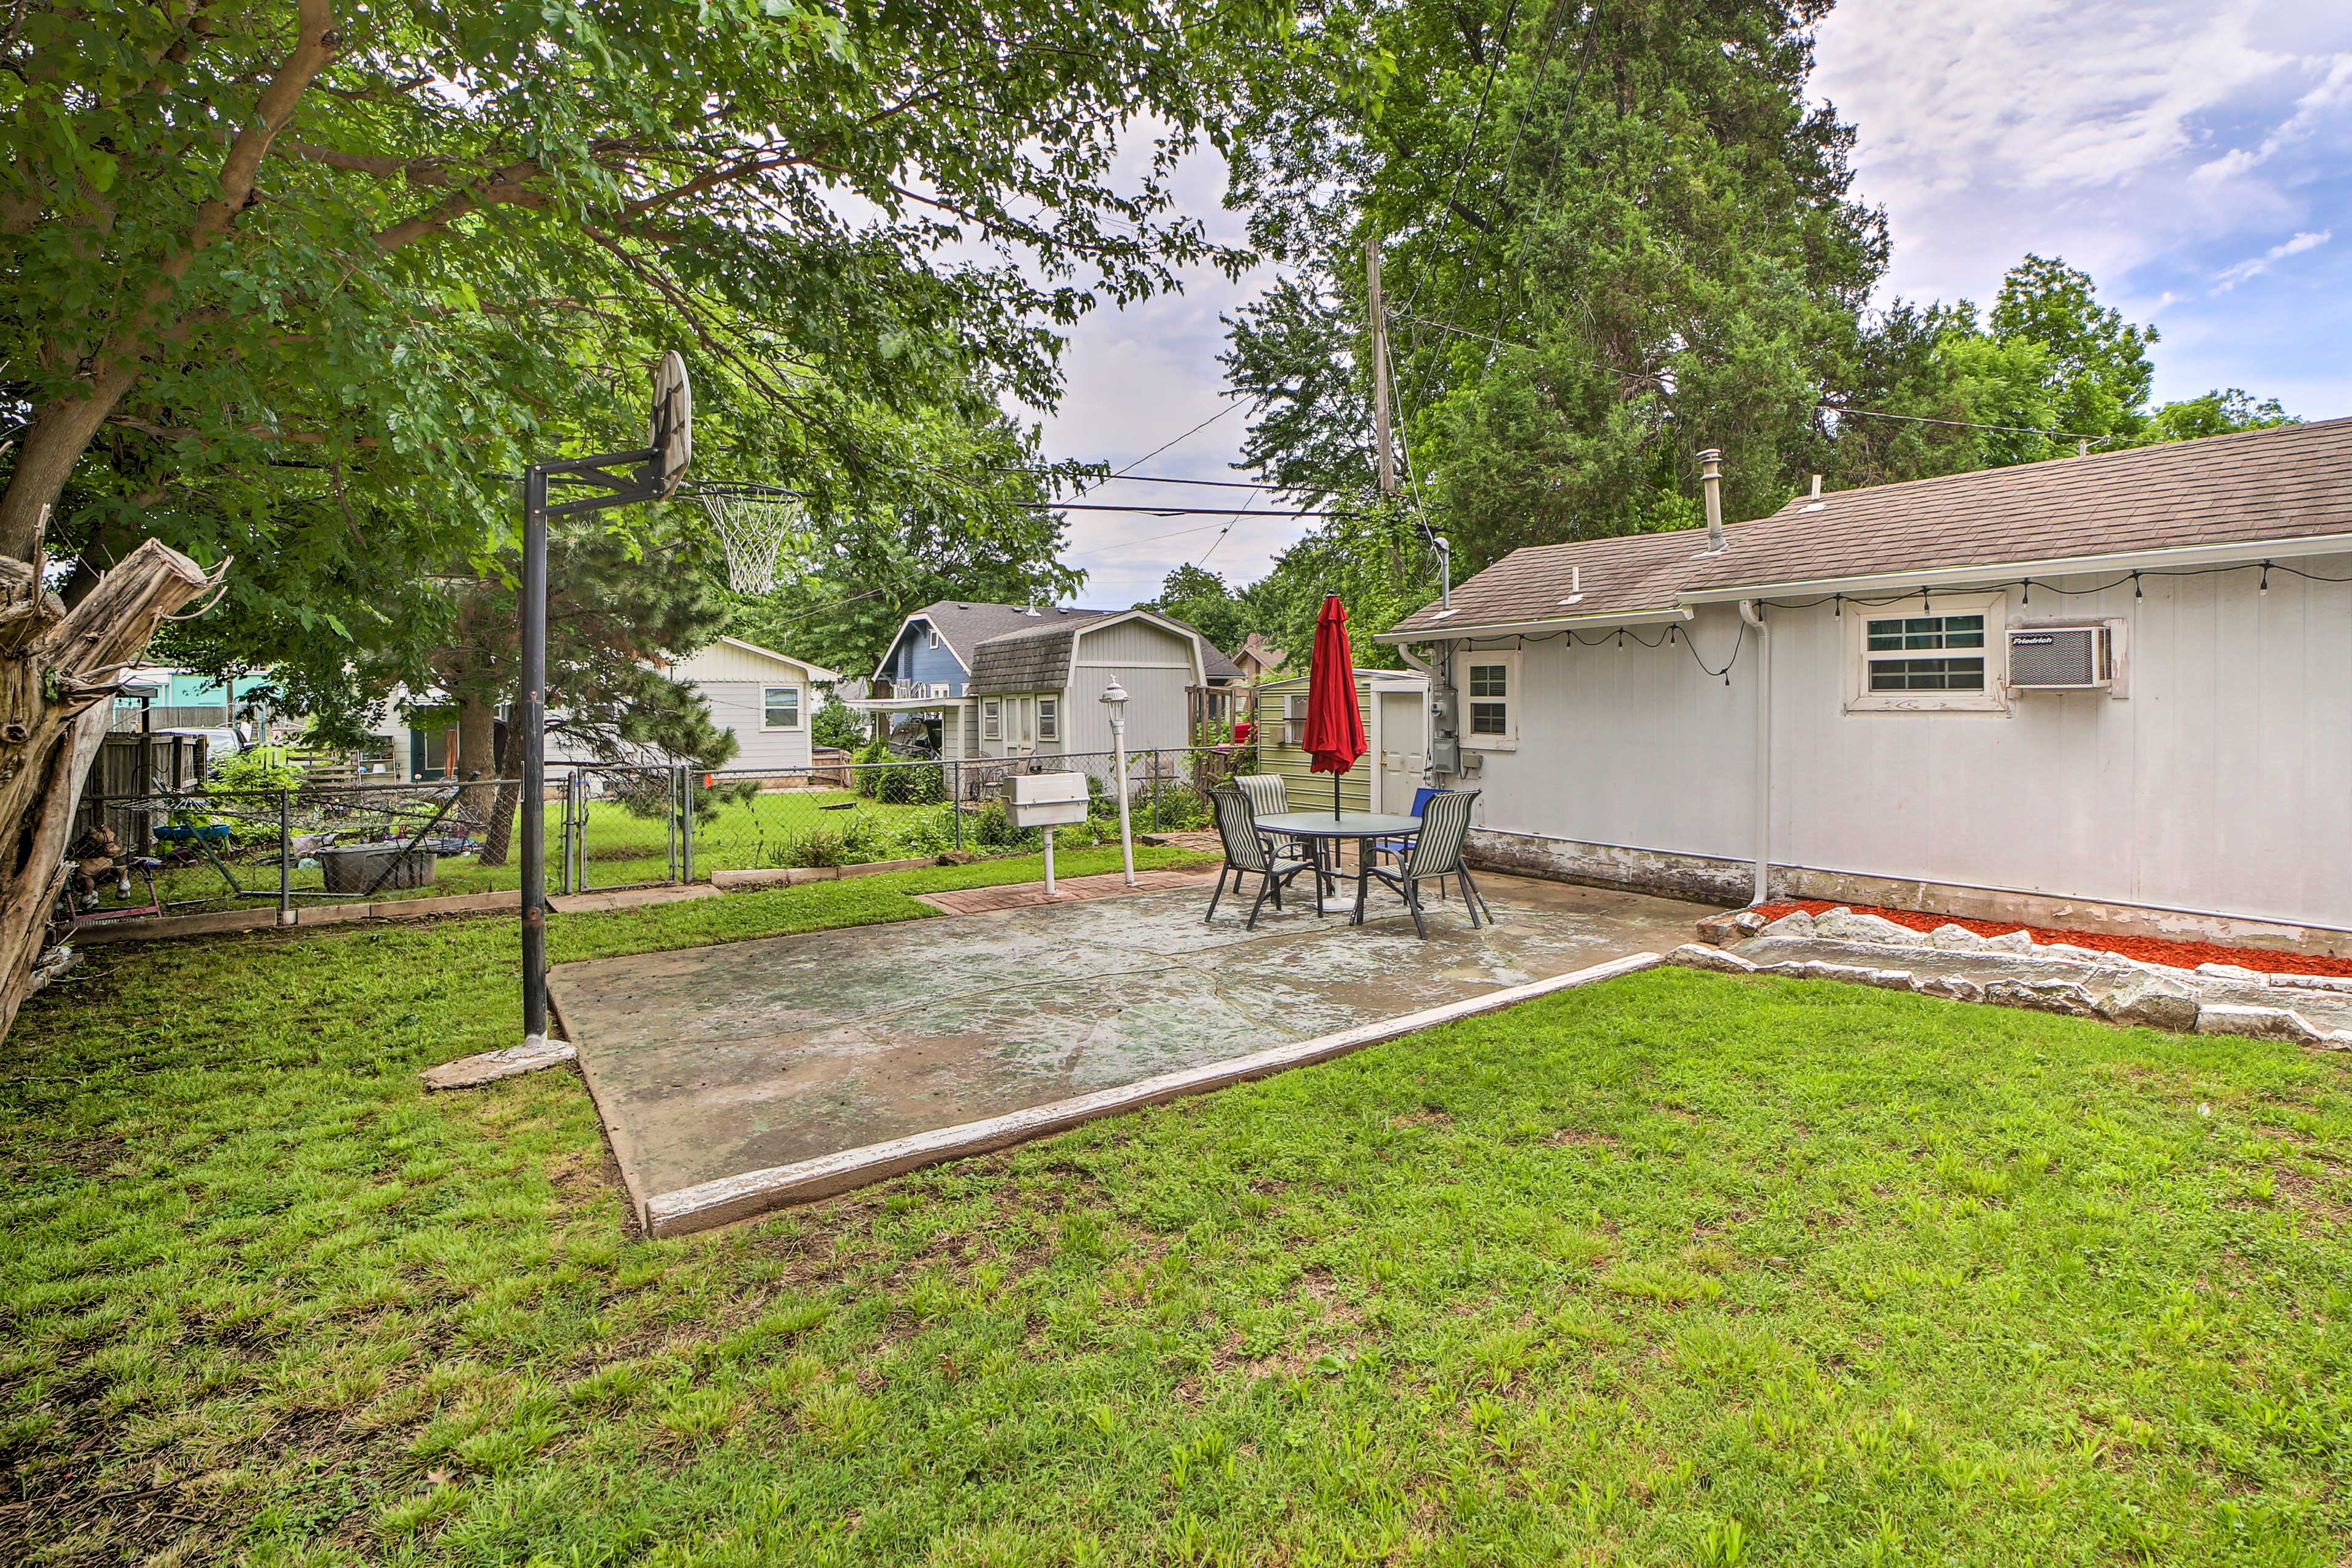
<point x="964" y="625"/>
<point x="2249" y="488"/>
<point x="1038" y="659"/>
<point x="2253" y="487"/>
<point x="1628" y="574"/>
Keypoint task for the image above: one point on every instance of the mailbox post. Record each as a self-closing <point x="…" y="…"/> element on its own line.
<point x="1046" y="801"/>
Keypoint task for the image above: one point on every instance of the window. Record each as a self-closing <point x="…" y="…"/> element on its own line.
<point x="991" y="720"/>
<point x="1939" y="656"/>
<point x="935" y="640"/>
<point x="781" y="708"/>
<point x="939" y="688"/>
<point x="1490" y="691"/>
<point x="1049" y="718"/>
<point x="1293" y="719"/>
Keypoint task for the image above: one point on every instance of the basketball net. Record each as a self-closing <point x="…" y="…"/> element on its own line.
<point x="753" y="529"/>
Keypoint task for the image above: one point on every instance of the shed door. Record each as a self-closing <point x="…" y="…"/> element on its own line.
<point x="1404" y="748"/>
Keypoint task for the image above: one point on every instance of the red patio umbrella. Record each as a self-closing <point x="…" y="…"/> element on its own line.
<point x="1335" y="726"/>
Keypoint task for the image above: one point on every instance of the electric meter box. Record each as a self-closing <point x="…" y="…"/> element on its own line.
<point x="1045" y="800"/>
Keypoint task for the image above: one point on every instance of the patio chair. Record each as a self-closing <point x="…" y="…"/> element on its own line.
<point x="1249" y="852"/>
<point x="1269" y="796"/>
<point x="1437" y="853"/>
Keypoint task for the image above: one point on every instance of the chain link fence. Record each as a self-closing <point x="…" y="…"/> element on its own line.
<point x="201" y="848"/>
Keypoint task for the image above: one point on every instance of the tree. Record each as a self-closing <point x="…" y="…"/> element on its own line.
<point x="1612" y="235"/>
<point x="299" y="283"/>
<point x="1199" y="598"/>
<point x="2217" y="413"/>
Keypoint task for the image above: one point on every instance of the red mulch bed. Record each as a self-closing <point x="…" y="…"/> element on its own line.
<point x="2148" y="948"/>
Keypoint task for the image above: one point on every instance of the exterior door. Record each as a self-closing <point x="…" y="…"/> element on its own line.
<point x="1404" y="748"/>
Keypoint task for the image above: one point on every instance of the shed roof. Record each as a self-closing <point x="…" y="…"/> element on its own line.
<point x="1038" y="659"/>
<point x="2228" y="497"/>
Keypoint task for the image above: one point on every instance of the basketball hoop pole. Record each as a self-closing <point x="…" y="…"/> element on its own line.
<point x="654" y="473"/>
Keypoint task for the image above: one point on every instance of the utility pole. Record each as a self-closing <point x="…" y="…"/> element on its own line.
<point x="1383" y="437"/>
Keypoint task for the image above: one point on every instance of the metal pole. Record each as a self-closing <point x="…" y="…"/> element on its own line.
<point x="285" y="859"/>
<point x="955" y="800"/>
<point x="532" y="718"/>
<point x="685" y="822"/>
<point x="1049" y="863"/>
<point x="1118" y="764"/>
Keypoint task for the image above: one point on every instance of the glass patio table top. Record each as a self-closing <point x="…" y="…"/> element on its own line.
<point x="1364" y="827"/>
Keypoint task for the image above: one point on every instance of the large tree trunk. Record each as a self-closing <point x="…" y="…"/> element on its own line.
<point x="59" y="671"/>
<point x="490" y="806"/>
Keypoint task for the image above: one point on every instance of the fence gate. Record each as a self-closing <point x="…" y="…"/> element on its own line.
<point x="624" y="825"/>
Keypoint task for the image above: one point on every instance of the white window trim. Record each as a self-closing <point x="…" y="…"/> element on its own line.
<point x="1293" y="719"/>
<point x="991" y="719"/>
<point x="799" y="704"/>
<point x="1994" y="699"/>
<point x="1049" y="719"/>
<point x="935" y="638"/>
<point x="1514" y="694"/>
<point x="939" y="688"/>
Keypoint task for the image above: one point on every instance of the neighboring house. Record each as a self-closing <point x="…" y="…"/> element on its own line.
<point x="1258" y="659"/>
<point x="1005" y="680"/>
<point x="767" y="700"/>
<point x="2112" y="691"/>
<point x="1395" y="707"/>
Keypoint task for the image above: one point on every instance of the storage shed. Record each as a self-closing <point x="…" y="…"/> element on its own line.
<point x="1395" y="706"/>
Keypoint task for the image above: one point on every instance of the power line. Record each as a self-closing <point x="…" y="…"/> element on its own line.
<point x="1462" y="165"/>
<point x="1172" y="510"/>
<point x="1225" y="530"/>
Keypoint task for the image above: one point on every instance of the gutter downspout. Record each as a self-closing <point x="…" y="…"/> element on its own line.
<point x="1752" y="613"/>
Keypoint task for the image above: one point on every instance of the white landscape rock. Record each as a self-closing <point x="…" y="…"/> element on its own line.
<point x="2010" y="942"/>
<point x="2155" y="1000"/>
<point x="2337" y="982"/>
<point x="1952" y="987"/>
<point x="2261" y="1024"/>
<point x="2044" y="996"/>
<point x="1844" y="925"/>
<point x="1798" y="924"/>
<point x="1956" y="939"/>
<point x="2232" y="972"/>
<point x="1698" y="955"/>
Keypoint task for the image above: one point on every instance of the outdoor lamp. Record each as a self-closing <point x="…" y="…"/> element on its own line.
<point x="1114" y="699"/>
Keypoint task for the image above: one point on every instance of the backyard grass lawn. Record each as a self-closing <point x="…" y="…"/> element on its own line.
<point x="1683" y="1268"/>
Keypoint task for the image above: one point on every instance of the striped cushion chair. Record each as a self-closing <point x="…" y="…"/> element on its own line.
<point x="1437" y="853"/>
<point x="1269" y="796"/>
<point x="1250" y="853"/>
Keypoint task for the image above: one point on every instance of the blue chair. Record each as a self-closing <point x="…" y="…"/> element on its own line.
<point x="1395" y="848"/>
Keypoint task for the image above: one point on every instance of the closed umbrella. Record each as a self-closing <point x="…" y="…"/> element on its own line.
<point x="1335" y="726"/>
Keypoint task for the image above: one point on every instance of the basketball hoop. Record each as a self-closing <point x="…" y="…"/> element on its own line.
<point x="754" y="524"/>
<point x="671" y="434"/>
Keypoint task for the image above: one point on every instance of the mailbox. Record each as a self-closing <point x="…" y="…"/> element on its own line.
<point x="1046" y="800"/>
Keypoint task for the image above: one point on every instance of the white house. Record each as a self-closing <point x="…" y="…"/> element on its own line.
<point x="2110" y="691"/>
<point x="1010" y="680"/>
<point x="765" y="699"/>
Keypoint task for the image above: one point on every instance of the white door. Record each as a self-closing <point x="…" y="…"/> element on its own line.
<point x="1404" y="749"/>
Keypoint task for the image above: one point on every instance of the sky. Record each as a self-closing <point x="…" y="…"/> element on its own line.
<point x="2192" y="157"/>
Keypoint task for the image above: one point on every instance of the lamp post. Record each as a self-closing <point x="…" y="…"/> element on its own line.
<point x="1114" y="697"/>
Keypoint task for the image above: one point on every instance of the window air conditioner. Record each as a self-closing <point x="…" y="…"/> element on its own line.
<point x="2061" y="659"/>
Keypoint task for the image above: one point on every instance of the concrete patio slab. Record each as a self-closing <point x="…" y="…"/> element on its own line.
<point x="713" y="1064"/>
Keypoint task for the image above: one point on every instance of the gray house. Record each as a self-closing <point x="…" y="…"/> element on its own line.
<point x="2111" y="692"/>
<point x="1010" y="680"/>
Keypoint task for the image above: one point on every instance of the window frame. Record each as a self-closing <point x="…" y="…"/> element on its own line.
<point x="934" y="636"/>
<point x="768" y="707"/>
<point x="1049" y="720"/>
<point x="939" y="691"/>
<point x="992" y="719"/>
<point x="1992" y="698"/>
<point x="1293" y="719"/>
<point x="1514" y="694"/>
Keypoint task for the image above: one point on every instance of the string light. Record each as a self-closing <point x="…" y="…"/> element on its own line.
<point x="2266" y="577"/>
<point x="2138" y="593"/>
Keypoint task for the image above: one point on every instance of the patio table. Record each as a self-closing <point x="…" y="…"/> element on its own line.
<point x="1323" y="827"/>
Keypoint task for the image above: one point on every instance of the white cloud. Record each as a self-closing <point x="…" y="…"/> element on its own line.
<point x="2228" y="278"/>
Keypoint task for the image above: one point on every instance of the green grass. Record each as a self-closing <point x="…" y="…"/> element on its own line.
<point x="1680" y="1269"/>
